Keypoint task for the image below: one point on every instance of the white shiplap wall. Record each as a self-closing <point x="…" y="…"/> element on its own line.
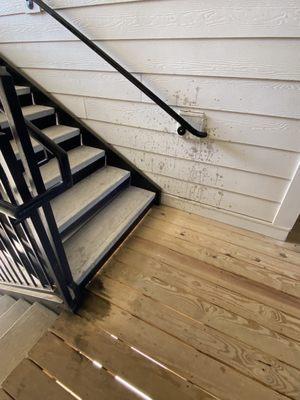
<point x="237" y="61"/>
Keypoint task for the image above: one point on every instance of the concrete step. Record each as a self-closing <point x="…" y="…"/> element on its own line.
<point x="22" y="90"/>
<point x="12" y="315"/>
<point x="85" y="195"/>
<point x="5" y="303"/>
<point x="31" y="112"/>
<point x="79" y="158"/>
<point x="58" y="133"/>
<point x="87" y="247"/>
<point x="22" y="336"/>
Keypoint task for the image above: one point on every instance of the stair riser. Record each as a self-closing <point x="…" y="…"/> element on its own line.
<point x="68" y="144"/>
<point x="81" y="171"/>
<point x="68" y="230"/>
<point x="45" y="122"/>
<point x="89" y="169"/>
<point x="25" y="100"/>
<point x="41" y="123"/>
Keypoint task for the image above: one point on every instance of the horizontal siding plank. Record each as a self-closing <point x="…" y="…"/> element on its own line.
<point x="237" y="95"/>
<point x="110" y="85"/>
<point x="242" y="182"/>
<point x="174" y="18"/>
<point x="249" y="58"/>
<point x="226" y="94"/>
<point x="245" y="205"/>
<point x="11" y="7"/>
<point x="241" y="128"/>
<point x="232" y="155"/>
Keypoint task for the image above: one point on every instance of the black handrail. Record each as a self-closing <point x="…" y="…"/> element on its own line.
<point x="184" y="125"/>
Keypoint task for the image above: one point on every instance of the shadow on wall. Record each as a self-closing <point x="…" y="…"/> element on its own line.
<point x="294" y="235"/>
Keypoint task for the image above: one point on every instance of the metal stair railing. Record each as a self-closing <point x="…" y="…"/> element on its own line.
<point x="32" y="256"/>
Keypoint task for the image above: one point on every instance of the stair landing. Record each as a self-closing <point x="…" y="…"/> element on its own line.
<point x="187" y="308"/>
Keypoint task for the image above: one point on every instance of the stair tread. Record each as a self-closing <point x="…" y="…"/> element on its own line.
<point x="5" y="303"/>
<point x="21" y="90"/>
<point x="22" y="336"/>
<point x="12" y="315"/>
<point x="58" y="133"/>
<point x="88" y="246"/>
<point x="31" y="112"/>
<point x="78" y="158"/>
<point x="85" y="194"/>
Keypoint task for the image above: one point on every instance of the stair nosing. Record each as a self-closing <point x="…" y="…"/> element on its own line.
<point x="112" y="238"/>
<point x="45" y="112"/>
<point x="66" y="224"/>
<point x="76" y="168"/>
<point x="37" y="147"/>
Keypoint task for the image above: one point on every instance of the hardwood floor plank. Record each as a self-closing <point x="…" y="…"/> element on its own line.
<point x="211" y="375"/>
<point x="153" y="380"/>
<point x="158" y="271"/>
<point x="250" y="240"/>
<point x="4" y="396"/>
<point x="239" y="284"/>
<point x="29" y="382"/>
<point x="77" y="372"/>
<point x="204" y="327"/>
<point x="226" y="243"/>
<point x="220" y="261"/>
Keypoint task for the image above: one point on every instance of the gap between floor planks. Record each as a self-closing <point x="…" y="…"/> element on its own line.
<point x="220" y="255"/>
<point x="283" y="251"/>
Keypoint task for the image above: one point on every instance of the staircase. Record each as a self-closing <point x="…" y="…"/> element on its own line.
<point x="107" y="199"/>
<point x="21" y="325"/>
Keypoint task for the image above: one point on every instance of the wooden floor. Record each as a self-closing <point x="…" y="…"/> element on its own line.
<point x="186" y="309"/>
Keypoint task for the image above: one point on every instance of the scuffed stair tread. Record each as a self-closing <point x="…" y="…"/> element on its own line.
<point x="31" y="112"/>
<point x="58" y="133"/>
<point x="5" y="303"/>
<point x="21" y="90"/>
<point x="79" y="158"/>
<point x="85" y="194"/>
<point x="88" y="246"/>
<point x="22" y="336"/>
<point x="12" y="315"/>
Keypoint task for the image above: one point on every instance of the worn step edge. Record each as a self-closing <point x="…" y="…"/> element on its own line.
<point x="31" y="112"/>
<point x="105" y="180"/>
<point x="50" y="132"/>
<point x="22" y="90"/>
<point x="90" y="156"/>
<point x="113" y="217"/>
<point x="5" y="303"/>
<point x="8" y="319"/>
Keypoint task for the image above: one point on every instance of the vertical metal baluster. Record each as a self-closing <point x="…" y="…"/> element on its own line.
<point x="41" y="223"/>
